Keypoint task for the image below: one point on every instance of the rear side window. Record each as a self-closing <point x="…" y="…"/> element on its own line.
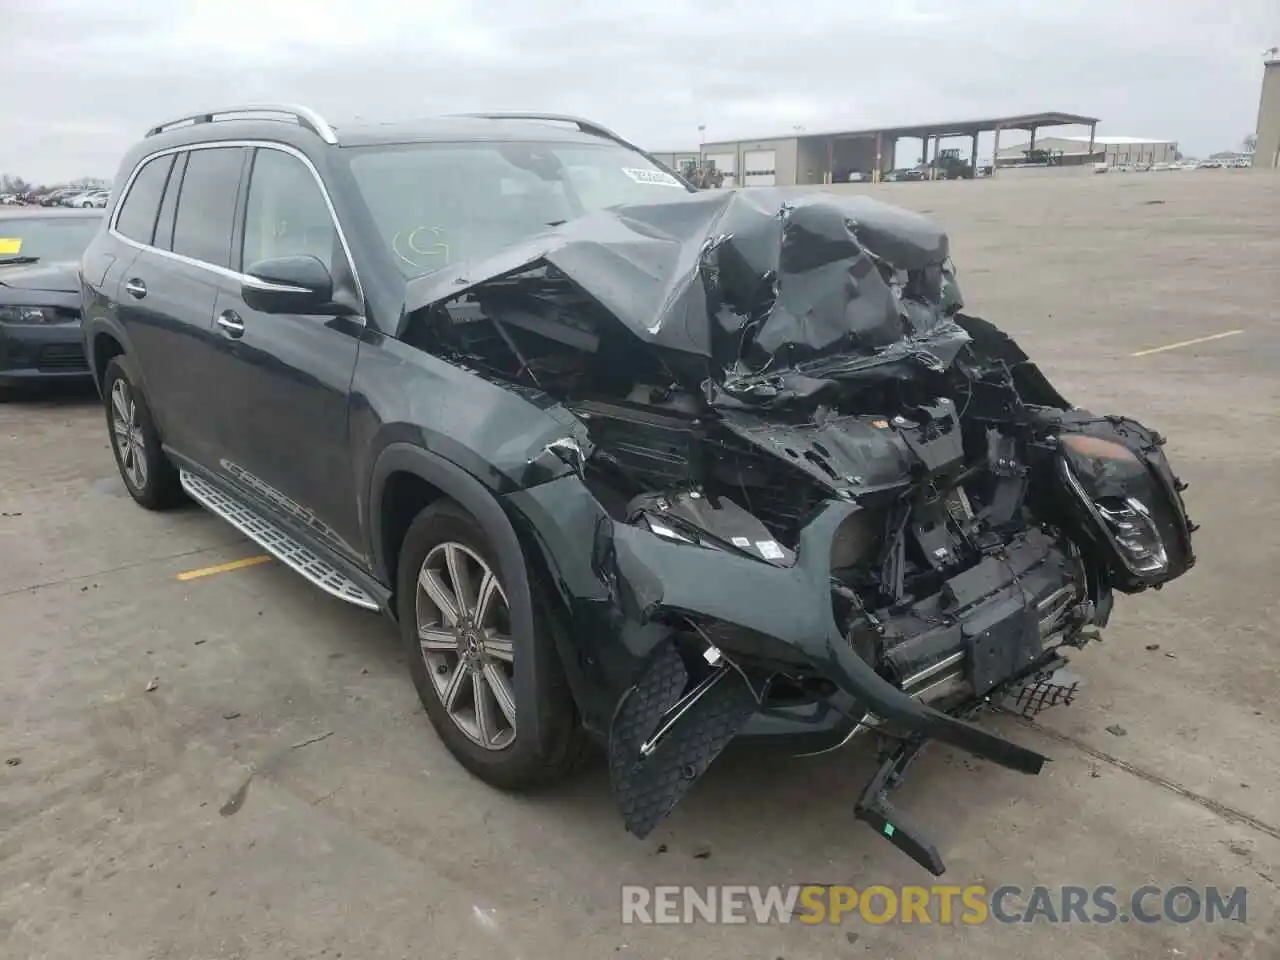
<point x="137" y="217"/>
<point x="164" y="225"/>
<point x="207" y="205"/>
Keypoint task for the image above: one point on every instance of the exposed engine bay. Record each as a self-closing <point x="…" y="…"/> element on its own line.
<point x="762" y="378"/>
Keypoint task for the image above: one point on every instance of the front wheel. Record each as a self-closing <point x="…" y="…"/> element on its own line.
<point x="148" y="475"/>
<point x="455" y="619"/>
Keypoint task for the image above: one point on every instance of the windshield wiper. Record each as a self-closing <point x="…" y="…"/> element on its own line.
<point x="6" y="261"/>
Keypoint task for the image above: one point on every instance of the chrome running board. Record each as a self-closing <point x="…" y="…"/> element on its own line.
<point x="276" y="541"/>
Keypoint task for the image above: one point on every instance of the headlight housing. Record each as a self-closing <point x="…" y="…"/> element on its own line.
<point x="1115" y="489"/>
<point x="1129" y="523"/>
<point x="34" y="316"/>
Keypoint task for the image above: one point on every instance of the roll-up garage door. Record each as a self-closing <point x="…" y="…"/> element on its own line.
<point x="727" y="164"/>
<point x="758" y="168"/>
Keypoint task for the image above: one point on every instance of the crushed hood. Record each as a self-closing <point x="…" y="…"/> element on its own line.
<point x="735" y="274"/>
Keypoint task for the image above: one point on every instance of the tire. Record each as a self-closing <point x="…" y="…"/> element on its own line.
<point x="148" y="475"/>
<point x="442" y="539"/>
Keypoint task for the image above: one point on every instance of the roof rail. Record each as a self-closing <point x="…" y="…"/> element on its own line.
<point x="305" y="117"/>
<point x="586" y="126"/>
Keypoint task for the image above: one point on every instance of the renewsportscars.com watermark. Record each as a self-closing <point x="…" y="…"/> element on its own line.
<point x="940" y="904"/>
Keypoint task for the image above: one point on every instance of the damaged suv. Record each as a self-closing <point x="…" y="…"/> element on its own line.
<point x="626" y="462"/>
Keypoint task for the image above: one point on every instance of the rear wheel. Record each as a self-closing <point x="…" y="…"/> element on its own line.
<point x="148" y="475"/>
<point x="455" y="620"/>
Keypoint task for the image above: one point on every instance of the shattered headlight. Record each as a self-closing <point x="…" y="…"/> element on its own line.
<point x="1113" y="474"/>
<point x="716" y="523"/>
<point x="658" y="528"/>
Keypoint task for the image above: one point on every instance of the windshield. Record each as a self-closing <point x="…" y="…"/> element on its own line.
<point x="441" y="203"/>
<point x="45" y="238"/>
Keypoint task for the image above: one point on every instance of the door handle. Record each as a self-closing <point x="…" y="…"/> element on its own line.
<point x="136" y="288"/>
<point x="230" y="321"/>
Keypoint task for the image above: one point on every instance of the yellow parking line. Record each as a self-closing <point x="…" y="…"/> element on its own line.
<point x="1185" y="343"/>
<point x="223" y="567"/>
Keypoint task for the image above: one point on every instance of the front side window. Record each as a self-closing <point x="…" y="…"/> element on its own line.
<point x="440" y="203"/>
<point x="137" y="217"/>
<point x="207" y="204"/>
<point x="286" y="213"/>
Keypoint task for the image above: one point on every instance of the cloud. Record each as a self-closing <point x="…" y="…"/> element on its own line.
<point x="85" y="79"/>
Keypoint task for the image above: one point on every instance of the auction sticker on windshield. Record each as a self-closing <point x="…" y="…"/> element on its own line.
<point x="651" y="176"/>
<point x="10" y="245"/>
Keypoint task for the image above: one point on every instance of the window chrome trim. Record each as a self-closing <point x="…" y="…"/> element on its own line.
<point x="212" y="267"/>
<point x="266" y="285"/>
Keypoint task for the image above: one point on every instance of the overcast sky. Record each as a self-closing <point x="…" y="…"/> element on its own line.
<point x="83" y="78"/>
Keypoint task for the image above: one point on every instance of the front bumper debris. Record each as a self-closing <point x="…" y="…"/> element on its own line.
<point x="678" y="716"/>
<point x="669" y="728"/>
<point x="874" y="808"/>
<point x="778" y="613"/>
<point x="666" y="733"/>
<point x="1049" y="685"/>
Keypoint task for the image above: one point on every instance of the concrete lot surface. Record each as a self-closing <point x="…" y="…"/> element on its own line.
<point x="194" y="820"/>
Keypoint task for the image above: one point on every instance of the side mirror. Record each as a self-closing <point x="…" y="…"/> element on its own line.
<point x="299" y="284"/>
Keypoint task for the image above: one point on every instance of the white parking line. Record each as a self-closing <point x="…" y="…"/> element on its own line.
<point x="1185" y="343"/>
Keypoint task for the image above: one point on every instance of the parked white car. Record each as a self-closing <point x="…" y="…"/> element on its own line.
<point x="90" y="198"/>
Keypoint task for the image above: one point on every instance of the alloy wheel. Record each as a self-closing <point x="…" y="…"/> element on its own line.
<point x="464" y="629"/>
<point x="127" y="434"/>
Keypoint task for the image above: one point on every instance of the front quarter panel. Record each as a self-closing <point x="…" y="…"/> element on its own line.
<point x="401" y="394"/>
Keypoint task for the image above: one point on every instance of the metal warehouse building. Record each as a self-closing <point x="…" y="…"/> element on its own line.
<point x="1079" y="150"/>
<point x="1266" y="153"/>
<point x="814" y="158"/>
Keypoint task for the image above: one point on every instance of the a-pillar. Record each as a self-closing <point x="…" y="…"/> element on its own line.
<point x="995" y="152"/>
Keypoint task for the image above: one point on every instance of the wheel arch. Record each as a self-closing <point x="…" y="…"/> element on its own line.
<point x="406" y="477"/>
<point x="104" y="348"/>
<point x="104" y="341"/>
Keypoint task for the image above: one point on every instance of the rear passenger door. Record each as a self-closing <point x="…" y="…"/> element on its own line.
<point x="167" y="295"/>
<point x="148" y="297"/>
<point x="285" y="378"/>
